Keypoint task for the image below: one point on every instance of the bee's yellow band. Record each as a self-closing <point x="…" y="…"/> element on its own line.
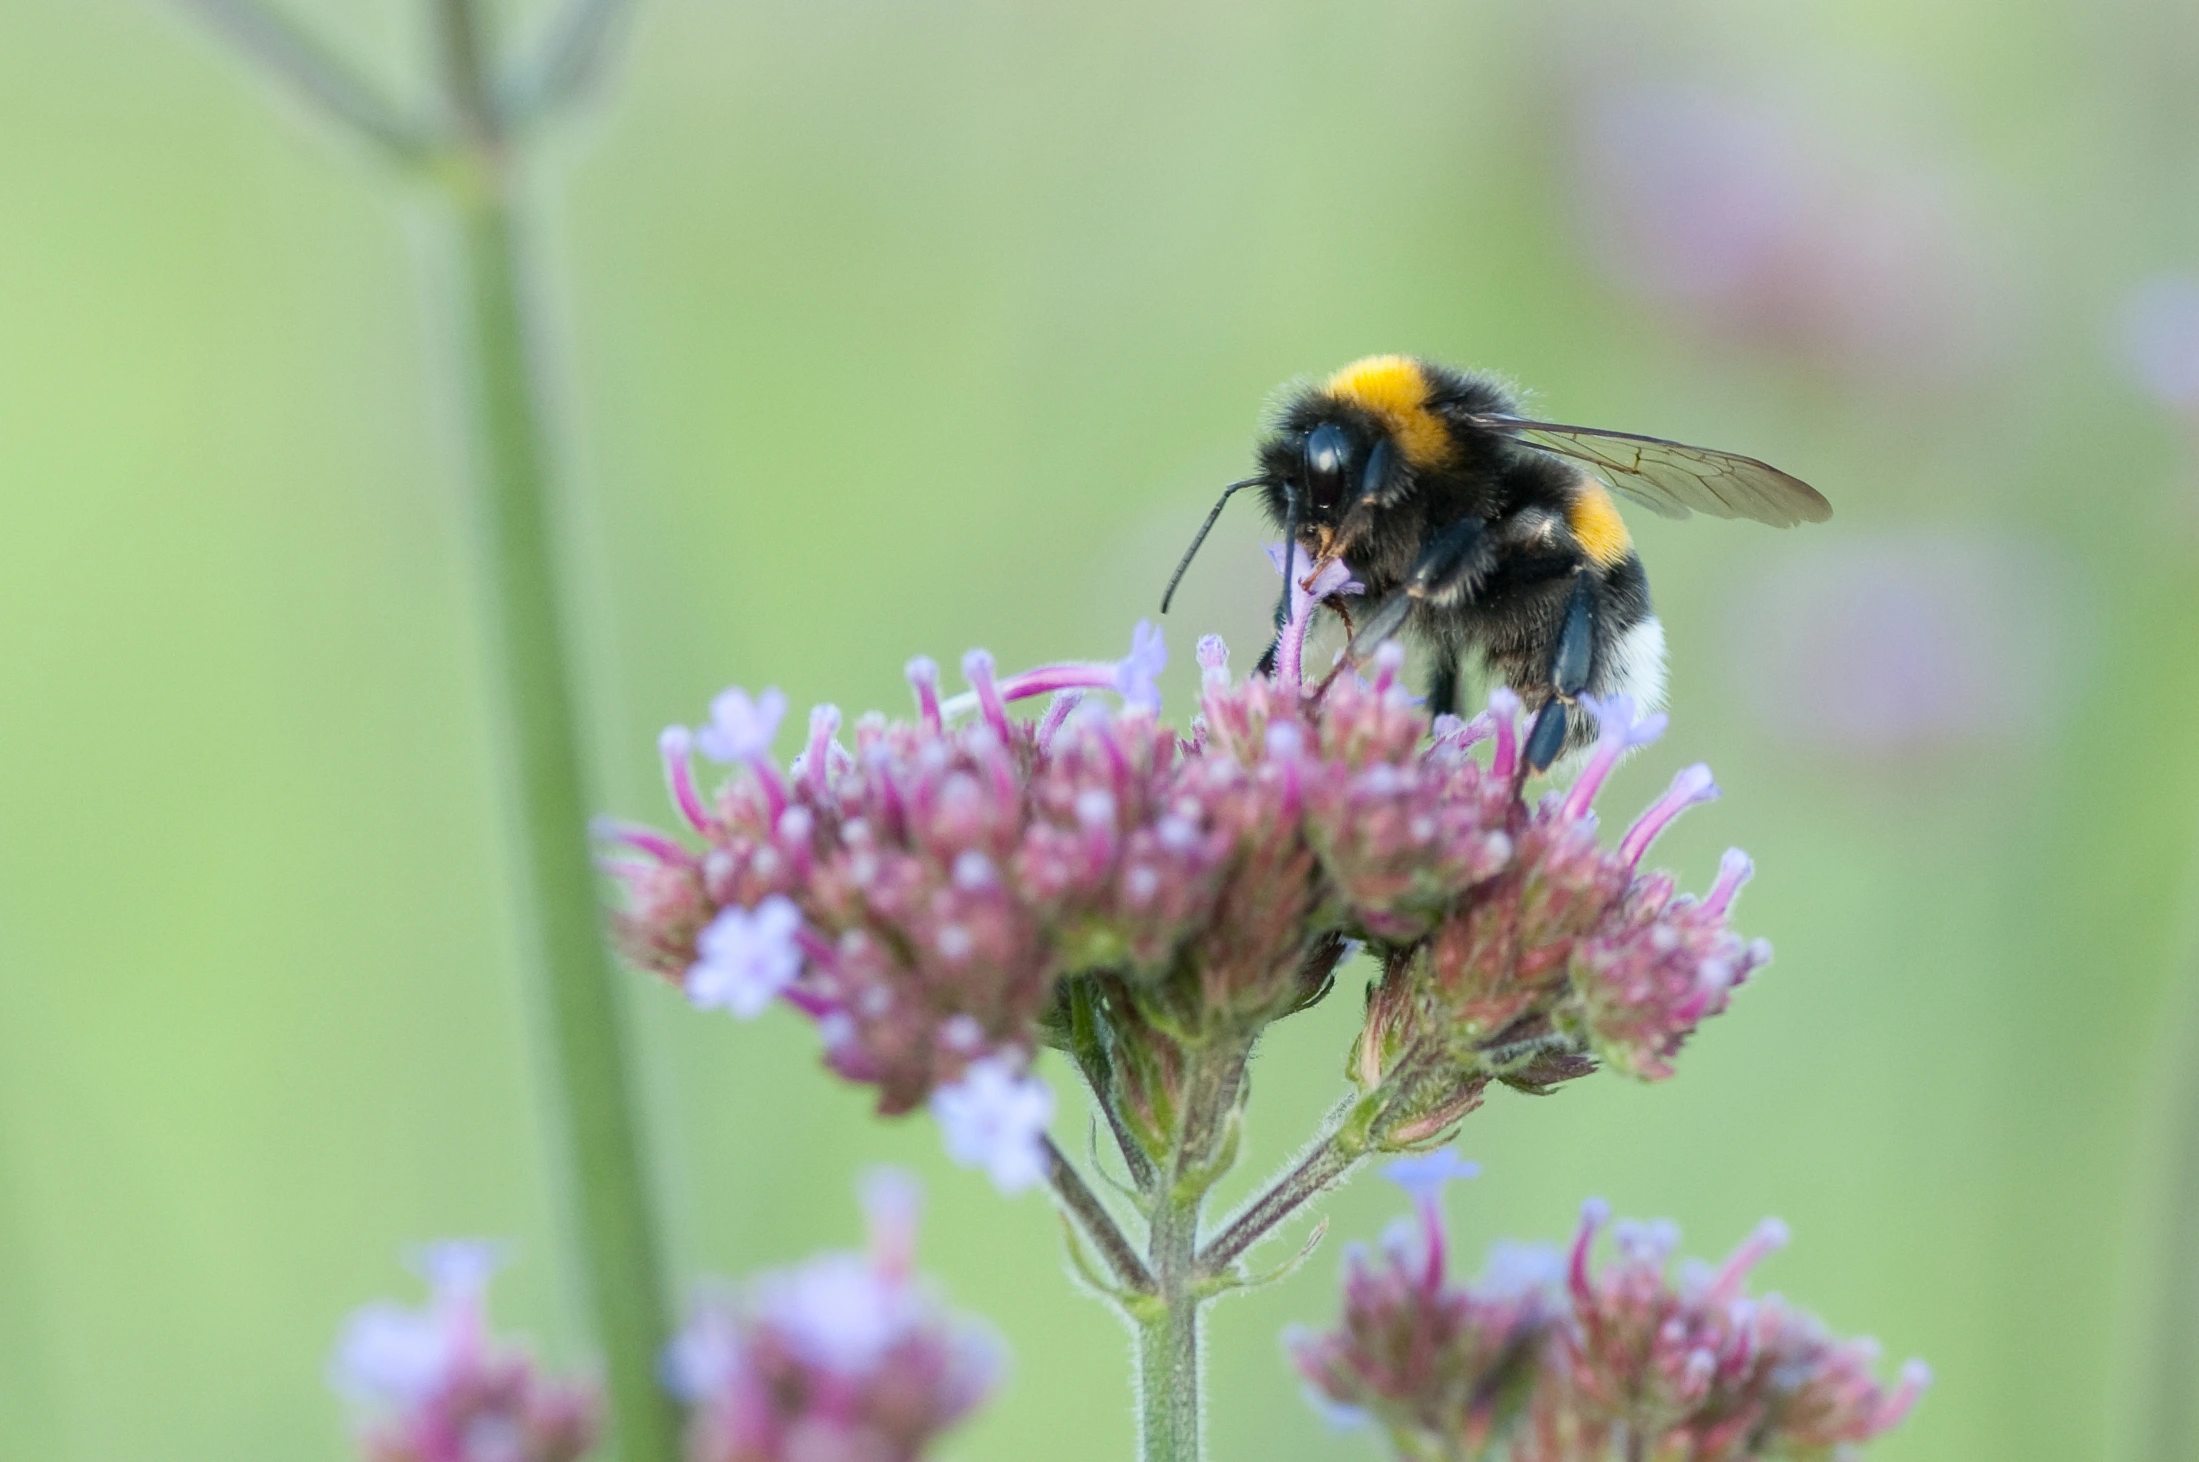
<point x="1597" y="524"/>
<point x="1393" y="388"/>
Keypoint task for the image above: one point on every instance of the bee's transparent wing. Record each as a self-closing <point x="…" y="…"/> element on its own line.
<point x="1672" y="478"/>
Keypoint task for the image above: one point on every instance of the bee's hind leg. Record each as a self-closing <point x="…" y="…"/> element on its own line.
<point x="1569" y="669"/>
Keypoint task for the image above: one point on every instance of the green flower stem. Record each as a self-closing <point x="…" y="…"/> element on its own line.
<point x="577" y="989"/>
<point x="1167" y="1320"/>
<point x="1168" y="1337"/>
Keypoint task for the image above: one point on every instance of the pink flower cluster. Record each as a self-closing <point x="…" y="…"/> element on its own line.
<point x="1569" y="951"/>
<point x="1551" y="1360"/>
<point x="435" y="1385"/>
<point x="846" y="1358"/>
<point x="924" y="895"/>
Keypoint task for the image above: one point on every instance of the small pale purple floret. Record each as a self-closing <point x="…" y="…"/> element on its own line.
<point x="1619" y="730"/>
<point x="1213" y="662"/>
<point x="741" y="729"/>
<point x="1136" y="672"/>
<point x="1425" y="1175"/>
<point x="995" y="1118"/>
<point x="674" y="745"/>
<point x="749" y="956"/>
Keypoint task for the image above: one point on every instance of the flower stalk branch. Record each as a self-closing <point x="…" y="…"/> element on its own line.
<point x="1326" y="1164"/>
<point x="1095" y="1222"/>
<point x="318" y="75"/>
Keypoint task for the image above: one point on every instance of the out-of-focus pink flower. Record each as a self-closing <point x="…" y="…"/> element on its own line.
<point x="1695" y="1368"/>
<point x="436" y="1385"/>
<point x="1747" y="222"/>
<point x="1902" y="643"/>
<point x="1545" y="1359"/>
<point x="844" y="1358"/>
<point x="2157" y="334"/>
<point x="1429" y="1361"/>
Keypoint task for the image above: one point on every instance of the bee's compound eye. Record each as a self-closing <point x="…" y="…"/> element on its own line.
<point x="1328" y="453"/>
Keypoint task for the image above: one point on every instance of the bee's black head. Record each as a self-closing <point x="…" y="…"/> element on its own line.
<point x="1317" y="459"/>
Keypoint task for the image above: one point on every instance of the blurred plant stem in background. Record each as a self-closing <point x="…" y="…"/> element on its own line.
<point x="473" y="153"/>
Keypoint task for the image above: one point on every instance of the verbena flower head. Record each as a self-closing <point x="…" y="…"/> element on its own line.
<point x="1549" y="1359"/>
<point x="938" y="896"/>
<point x="436" y="1385"/>
<point x="844" y="1358"/>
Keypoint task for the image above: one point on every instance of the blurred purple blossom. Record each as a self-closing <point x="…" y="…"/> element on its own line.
<point x="1546" y="1359"/>
<point x="436" y="1385"/>
<point x="1904" y="642"/>
<point x="1425" y="1175"/>
<point x="2158" y="336"/>
<point x="1758" y="224"/>
<point x="843" y="1358"/>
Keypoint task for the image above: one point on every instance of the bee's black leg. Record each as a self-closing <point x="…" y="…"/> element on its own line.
<point x="1569" y="668"/>
<point x="1443" y="686"/>
<point x="1457" y="557"/>
<point x="1576" y="638"/>
<point x="1379" y="484"/>
<point x="1546" y="738"/>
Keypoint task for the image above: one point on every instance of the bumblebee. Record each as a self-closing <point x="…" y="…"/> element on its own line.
<point x="1488" y="535"/>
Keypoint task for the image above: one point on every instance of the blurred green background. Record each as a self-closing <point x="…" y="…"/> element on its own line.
<point x="898" y="328"/>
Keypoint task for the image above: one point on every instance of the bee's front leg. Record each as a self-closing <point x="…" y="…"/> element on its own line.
<point x="1445" y="572"/>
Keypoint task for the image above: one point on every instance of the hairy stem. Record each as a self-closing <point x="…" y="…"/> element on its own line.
<point x="1168" y="1337"/>
<point x="576" y="989"/>
<point x="1095" y="1222"/>
<point x="1335" y="1154"/>
<point x="1212" y="1097"/>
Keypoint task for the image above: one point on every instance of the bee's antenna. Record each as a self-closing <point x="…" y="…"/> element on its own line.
<point x="1205" y="528"/>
